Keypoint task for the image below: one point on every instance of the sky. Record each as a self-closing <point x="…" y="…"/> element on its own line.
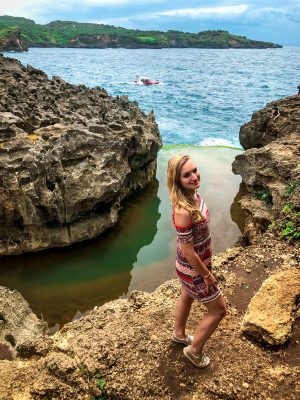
<point x="269" y="20"/>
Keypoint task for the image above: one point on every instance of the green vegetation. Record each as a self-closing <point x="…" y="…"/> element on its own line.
<point x="6" y="32"/>
<point x="100" y="382"/>
<point x="287" y="226"/>
<point x="74" y="34"/>
<point x="264" y="195"/>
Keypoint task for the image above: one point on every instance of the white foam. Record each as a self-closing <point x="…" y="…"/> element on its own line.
<point x="216" y="142"/>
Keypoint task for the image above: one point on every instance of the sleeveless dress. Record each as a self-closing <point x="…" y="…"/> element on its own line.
<point x="197" y="233"/>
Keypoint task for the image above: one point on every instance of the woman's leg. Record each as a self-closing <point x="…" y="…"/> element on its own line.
<point x="216" y="310"/>
<point x="183" y="308"/>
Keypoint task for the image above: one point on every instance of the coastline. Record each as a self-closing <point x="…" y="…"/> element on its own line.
<point x="122" y="350"/>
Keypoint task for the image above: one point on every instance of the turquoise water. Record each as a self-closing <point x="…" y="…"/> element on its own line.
<point x="138" y="253"/>
<point x="205" y="95"/>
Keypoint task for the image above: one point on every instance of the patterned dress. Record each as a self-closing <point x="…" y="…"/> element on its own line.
<point x="197" y="233"/>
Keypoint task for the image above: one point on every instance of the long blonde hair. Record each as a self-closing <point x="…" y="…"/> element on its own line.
<point x="179" y="197"/>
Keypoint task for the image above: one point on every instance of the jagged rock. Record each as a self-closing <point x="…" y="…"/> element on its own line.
<point x="69" y="155"/>
<point x="18" y="324"/>
<point x="271" y="312"/>
<point x="268" y="170"/>
<point x="259" y="216"/>
<point x="262" y="129"/>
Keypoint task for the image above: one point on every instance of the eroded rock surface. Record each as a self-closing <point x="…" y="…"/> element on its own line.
<point x="267" y="171"/>
<point x="271" y="312"/>
<point x="270" y="169"/>
<point x="18" y="324"/>
<point x="69" y="155"/>
<point x="262" y="129"/>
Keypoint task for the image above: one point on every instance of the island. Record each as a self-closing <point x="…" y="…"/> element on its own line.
<point x="89" y="35"/>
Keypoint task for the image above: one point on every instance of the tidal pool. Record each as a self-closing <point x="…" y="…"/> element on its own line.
<point x="138" y="253"/>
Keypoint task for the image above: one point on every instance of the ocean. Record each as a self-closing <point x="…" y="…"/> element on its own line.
<point x="205" y="95"/>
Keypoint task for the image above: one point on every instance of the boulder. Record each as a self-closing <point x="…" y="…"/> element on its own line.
<point x="18" y="324"/>
<point x="271" y="312"/>
<point x="69" y="156"/>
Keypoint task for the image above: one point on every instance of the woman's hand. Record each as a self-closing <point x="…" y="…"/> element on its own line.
<point x="210" y="281"/>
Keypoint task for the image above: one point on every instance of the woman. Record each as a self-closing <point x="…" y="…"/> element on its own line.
<point x="193" y="261"/>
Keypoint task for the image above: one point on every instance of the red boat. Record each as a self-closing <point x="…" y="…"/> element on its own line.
<point x="140" y="80"/>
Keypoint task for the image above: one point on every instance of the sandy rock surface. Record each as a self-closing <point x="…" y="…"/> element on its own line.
<point x="18" y="324"/>
<point x="126" y="345"/>
<point x="271" y="312"/>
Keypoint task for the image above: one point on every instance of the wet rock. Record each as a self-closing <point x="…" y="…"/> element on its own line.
<point x="271" y="312"/>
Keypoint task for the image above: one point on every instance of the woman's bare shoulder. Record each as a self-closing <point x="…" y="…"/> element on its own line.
<point x="182" y="217"/>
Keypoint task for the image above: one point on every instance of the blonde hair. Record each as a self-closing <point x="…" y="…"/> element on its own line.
<point x="180" y="197"/>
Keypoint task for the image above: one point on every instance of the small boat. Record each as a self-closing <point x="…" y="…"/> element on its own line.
<point x="141" y="80"/>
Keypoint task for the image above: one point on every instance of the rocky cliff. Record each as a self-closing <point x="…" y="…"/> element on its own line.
<point x="270" y="167"/>
<point x="123" y="350"/>
<point x="10" y="40"/>
<point x="69" y="155"/>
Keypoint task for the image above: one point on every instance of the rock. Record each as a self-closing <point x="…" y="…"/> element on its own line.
<point x="271" y="162"/>
<point x="262" y="129"/>
<point x="13" y="42"/>
<point x="270" y="314"/>
<point x="69" y="156"/>
<point x="18" y="324"/>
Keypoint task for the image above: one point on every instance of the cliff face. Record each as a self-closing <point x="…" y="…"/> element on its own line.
<point x="263" y="129"/>
<point x="13" y="42"/>
<point x="69" y="155"/>
<point x="270" y="167"/>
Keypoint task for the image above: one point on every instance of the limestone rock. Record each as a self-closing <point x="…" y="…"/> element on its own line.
<point x="18" y="324"/>
<point x="271" y="162"/>
<point x="69" y="155"/>
<point x="270" y="314"/>
<point x="262" y="129"/>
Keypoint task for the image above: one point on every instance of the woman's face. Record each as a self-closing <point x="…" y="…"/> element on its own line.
<point x="189" y="176"/>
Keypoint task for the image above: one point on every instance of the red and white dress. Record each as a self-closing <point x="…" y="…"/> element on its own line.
<point x="197" y="233"/>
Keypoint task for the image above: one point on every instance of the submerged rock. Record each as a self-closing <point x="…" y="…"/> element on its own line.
<point x="271" y="312"/>
<point x="69" y="155"/>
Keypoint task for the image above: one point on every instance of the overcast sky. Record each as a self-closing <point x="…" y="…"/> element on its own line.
<point x="276" y="21"/>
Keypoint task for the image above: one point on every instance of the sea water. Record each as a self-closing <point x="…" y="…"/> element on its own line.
<point x="205" y="95"/>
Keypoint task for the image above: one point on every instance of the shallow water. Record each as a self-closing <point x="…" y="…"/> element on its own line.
<point x="138" y="253"/>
